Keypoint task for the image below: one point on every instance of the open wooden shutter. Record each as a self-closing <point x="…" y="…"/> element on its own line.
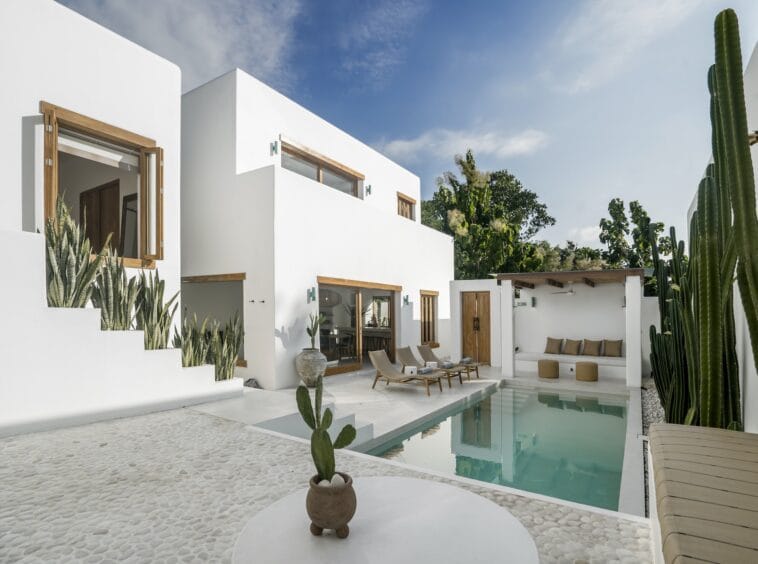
<point x="151" y="203"/>
<point x="51" y="163"/>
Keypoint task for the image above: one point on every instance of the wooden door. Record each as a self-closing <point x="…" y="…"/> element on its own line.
<point x="476" y="325"/>
<point x="99" y="211"/>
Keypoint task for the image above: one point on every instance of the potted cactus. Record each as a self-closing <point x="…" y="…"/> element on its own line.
<point x="331" y="499"/>
<point x="311" y="363"/>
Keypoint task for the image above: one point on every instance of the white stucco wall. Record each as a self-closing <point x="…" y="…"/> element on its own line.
<point x="591" y="313"/>
<point x="336" y="235"/>
<point x="52" y="53"/>
<point x="257" y="129"/>
<point x="242" y="212"/>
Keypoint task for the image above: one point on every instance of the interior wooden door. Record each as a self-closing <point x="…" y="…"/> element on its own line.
<point x="99" y="210"/>
<point x="475" y="328"/>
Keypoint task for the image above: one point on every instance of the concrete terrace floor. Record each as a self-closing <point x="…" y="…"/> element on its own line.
<point x="389" y="408"/>
<point x="178" y="486"/>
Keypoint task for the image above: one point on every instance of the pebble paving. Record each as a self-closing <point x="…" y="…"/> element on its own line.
<point x="178" y="486"/>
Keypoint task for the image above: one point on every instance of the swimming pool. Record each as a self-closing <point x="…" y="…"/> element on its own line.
<point x="564" y="445"/>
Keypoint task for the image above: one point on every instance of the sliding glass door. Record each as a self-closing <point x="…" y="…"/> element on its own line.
<point x="359" y="317"/>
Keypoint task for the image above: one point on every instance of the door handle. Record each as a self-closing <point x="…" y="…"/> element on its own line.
<point x="476" y="324"/>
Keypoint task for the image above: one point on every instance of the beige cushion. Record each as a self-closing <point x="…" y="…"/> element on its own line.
<point x="553" y="346"/>
<point x="591" y="348"/>
<point x="586" y="371"/>
<point x="612" y="348"/>
<point x="571" y="347"/>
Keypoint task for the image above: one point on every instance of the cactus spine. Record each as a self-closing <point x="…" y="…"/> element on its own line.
<point x="322" y="448"/>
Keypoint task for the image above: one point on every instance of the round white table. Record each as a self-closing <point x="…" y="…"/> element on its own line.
<point x="398" y="520"/>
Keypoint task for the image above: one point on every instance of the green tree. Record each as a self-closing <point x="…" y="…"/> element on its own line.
<point x="614" y="233"/>
<point x="491" y="217"/>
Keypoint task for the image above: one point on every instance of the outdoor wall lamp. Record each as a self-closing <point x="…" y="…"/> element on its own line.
<point x="368" y="189"/>
<point x="273" y="147"/>
<point x="311" y="294"/>
<point x="406" y="300"/>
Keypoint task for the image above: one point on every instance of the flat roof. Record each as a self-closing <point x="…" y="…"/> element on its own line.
<point x="589" y="277"/>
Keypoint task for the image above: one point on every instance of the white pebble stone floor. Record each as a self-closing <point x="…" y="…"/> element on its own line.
<point x="178" y="486"/>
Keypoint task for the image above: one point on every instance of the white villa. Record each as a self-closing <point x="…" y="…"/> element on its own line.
<point x="285" y="215"/>
<point x="250" y="205"/>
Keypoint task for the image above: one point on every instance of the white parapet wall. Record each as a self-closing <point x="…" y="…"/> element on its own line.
<point x="58" y="368"/>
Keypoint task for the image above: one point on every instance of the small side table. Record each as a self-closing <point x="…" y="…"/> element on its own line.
<point x="398" y="520"/>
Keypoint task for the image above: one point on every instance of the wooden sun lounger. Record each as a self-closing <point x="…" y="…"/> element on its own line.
<point x="406" y="358"/>
<point x="386" y="371"/>
<point x="428" y="355"/>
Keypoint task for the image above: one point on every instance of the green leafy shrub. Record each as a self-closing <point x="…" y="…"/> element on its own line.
<point x="225" y="345"/>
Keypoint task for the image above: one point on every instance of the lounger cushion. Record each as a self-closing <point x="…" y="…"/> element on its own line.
<point x="591" y="348"/>
<point x="612" y="348"/>
<point x="553" y="346"/>
<point x="571" y="347"/>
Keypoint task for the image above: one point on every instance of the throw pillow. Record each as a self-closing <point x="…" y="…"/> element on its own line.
<point x="612" y="348"/>
<point x="553" y="346"/>
<point x="591" y="348"/>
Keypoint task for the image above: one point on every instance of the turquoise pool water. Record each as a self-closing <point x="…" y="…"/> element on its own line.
<point x="564" y="445"/>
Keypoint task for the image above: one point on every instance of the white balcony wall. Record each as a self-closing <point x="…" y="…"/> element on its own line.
<point x="52" y="53"/>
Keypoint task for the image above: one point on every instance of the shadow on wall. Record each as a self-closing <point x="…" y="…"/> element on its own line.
<point x="28" y="196"/>
<point x="288" y="335"/>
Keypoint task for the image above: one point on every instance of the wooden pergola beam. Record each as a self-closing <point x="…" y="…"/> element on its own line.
<point x="589" y="282"/>
<point x="520" y="284"/>
<point x="555" y="283"/>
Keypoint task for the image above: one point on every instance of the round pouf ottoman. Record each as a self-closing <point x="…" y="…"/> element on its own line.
<point x="547" y="368"/>
<point x="586" y="371"/>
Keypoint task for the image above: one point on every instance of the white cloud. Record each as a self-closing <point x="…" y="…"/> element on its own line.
<point x="585" y="235"/>
<point x="205" y="37"/>
<point x="375" y="44"/>
<point x="444" y="143"/>
<point x="603" y="35"/>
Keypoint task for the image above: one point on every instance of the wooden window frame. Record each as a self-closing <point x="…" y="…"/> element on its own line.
<point x="431" y="296"/>
<point x="322" y="162"/>
<point x="55" y="117"/>
<point x="404" y="199"/>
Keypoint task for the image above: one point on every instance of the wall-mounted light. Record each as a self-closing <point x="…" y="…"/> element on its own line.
<point x="406" y="300"/>
<point x="623" y="303"/>
<point x="311" y="294"/>
<point x="534" y="301"/>
<point x="367" y="189"/>
<point x="274" y="148"/>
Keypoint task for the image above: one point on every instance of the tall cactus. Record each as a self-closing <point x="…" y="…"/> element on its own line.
<point x="710" y="323"/>
<point x="322" y="449"/>
<point x="737" y="166"/>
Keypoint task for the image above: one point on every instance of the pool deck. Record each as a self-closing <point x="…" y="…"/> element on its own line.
<point x="179" y="486"/>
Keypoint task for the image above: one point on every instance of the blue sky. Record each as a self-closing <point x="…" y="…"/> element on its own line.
<point x="582" y="100"/>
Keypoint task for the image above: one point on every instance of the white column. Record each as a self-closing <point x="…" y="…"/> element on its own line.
<point x="506" y="329"/>
<point x="633" y="331"/>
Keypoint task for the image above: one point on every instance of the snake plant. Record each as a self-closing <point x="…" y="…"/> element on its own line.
<point x="322" y="448"/>
<point x="224" y="347"/>
<point x="71" y="264"/>
<point x="115" y="295"/>
<point x="154" y="317"/>
<point x="193" y="340"/>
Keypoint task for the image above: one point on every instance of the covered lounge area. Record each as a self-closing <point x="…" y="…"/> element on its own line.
<point x="583" y="325"/>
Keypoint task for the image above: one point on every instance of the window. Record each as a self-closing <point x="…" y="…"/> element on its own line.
<point x="429" y="318"/>
<point x="310" y="164"/>
<point x="109" y="176"/>
<point x="406" y="206"/>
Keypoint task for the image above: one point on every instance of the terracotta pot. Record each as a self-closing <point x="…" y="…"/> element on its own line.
<point x="310" y="364"/>
<point x="331" y="507"/>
